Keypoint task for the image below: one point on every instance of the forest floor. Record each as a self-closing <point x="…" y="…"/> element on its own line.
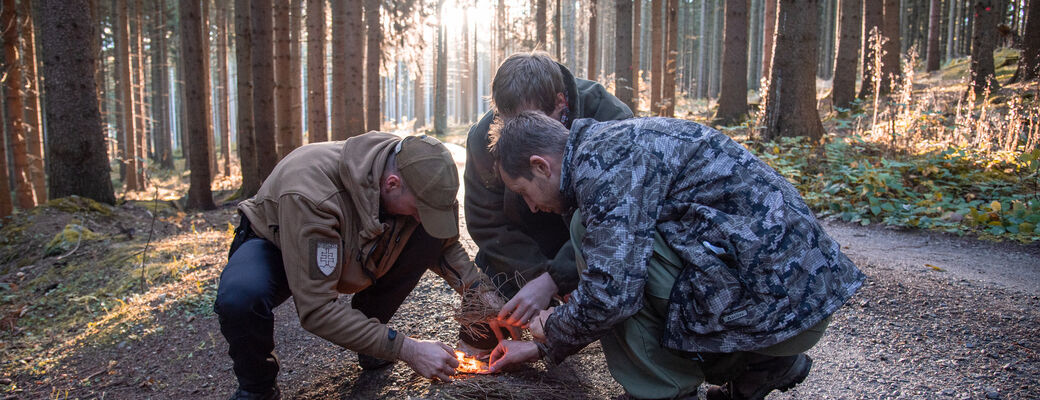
<point x="941" y="316"/>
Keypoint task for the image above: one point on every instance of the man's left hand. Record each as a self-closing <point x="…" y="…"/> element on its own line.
<point x="531" y="299"/>
<point x="510" y="352"/>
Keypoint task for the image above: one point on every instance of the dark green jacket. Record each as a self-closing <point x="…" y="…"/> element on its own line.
<point x="513" y="241"/>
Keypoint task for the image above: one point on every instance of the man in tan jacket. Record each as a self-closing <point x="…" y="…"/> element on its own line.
<point x="366" y="216"/>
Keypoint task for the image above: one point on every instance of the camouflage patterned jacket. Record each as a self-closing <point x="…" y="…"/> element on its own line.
<point x="757" y="266"/>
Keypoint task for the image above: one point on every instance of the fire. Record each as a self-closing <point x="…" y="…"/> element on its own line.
<point x="470" y="365"/>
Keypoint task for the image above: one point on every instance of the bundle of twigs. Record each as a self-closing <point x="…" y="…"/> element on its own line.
<point x="477" y="309"/>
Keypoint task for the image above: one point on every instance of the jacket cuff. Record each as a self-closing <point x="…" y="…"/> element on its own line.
<point x="393" y="344"/>
<point x="564" y="271"/>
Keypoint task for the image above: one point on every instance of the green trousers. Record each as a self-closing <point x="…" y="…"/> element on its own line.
<point x="633" y="348"/>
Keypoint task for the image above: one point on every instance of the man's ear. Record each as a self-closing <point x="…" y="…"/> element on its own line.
<point x="541" y="166"/>
<point x="391" y="182"/>
<point x="561" y="103"/>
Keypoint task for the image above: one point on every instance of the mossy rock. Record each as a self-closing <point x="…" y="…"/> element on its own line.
<point x="74" y="204"/>
<point x="71" y="236"/>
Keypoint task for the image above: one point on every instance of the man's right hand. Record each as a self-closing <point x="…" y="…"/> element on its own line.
<point x="431" y="359"/>
<point x="530" y="300"/>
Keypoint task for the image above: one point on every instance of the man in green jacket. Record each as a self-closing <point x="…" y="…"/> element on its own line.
<point x="517" y="246"/>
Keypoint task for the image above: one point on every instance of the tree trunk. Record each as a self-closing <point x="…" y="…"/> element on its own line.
<point x="768" y="35"/>
<point x="440" y="89"/>
<point x="295" y="65"/>
<point x="140" y="80"/>
<point x="465" y="112"/>
<point x="932" y="55"/>
<point x="355" y="61"/>
<point x="33" y="127"/>
<point x="160" y="89"/>
<point x="656" y="55"/>
<point x="702" y="51"/>
<point x="593" y="56"/>
<point x="340" y="66"/>
<point x="637" y="15"/>
<point x="844" y="87"/>
<point x="15" y="124"/>
<point x="244" y="117"/>
<point x="670" y="55"/>
<point x="373" y="118"/>
<point x="791" y="102"/>
<point x="283" y="55"/>
<point x="623" y="62"/>
<point x="951" y="29"/>
<point x="873" y="18"/>
<point x="196" y="87"/>
<point x="891" y="68"/>
<point x="733" y="96"/>
<point x="129" y="139"/>
<point x="541" y="27"/>
<point x="78" y="163"/>
<point x="223" y="96"/>
<point x="1029" y="65"/>
<point x="983" y="42"/>
<point x="317" y="131"/>
<point x="557" y="33"/>
<point x="263" y="87"/>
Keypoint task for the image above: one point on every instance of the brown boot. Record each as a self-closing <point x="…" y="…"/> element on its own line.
<point x="762" y="377"/>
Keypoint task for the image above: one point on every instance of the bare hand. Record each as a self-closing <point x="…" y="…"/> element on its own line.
<point x="537" y="325"/>
<point x="531" y="299"/>
<point x="431" y="359"/>
<point x="510" y="352"/>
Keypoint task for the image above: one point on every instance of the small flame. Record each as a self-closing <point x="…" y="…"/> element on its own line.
<point x="470" y="365"/>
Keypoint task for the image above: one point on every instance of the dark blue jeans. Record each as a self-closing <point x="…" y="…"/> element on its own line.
<point x="253" y="284"/>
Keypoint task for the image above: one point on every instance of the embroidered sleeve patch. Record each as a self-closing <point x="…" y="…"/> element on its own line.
<point x="324" y="257"/>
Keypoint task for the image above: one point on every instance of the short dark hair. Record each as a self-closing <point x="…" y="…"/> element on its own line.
<point x="526" y="80"/>
<point x="514" y="140"/>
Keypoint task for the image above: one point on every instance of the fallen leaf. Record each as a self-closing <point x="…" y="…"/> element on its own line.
<point x="935" y="268"/>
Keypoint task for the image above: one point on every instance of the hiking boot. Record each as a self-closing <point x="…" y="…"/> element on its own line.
<point x="761" y="378"/>
<point x="270" y="394"/>
<point x="369" y="363"/>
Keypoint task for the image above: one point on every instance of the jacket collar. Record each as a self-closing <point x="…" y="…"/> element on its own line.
<point x="361" y="167"/>
<point x="567" y="194"/>
<point x="573" y="100"/>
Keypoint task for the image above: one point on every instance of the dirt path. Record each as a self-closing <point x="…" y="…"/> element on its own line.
<point x="967" y="330"/>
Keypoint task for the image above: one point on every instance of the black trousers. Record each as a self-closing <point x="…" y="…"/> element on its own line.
<point x="253" y="283"/>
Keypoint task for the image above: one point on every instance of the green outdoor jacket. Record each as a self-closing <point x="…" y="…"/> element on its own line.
<point x="515" y="243"/>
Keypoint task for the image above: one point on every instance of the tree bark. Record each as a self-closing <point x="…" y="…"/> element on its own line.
<point x="263" y="88"/>
<point x="196" y="87"/>
<point x="671" y="55"/>
<point x="637" y="15"/>
<point x="355" y="61"/>
<point x="129" y="139"/>
<point x="768" y="35"/>
<point x="140" y="103"/>
<point x="283" y="55"/>
<point x="317" y="130"/>
<point x="295" y="68"/>
<point x="791" y="102"/>
<point x="932" y="56"/>
<point x="78" y="164"/>
<point x="623" y="61"/>
<point x="1029" y="65"/>
<point x="873" y="18"/>
<point x="733" y="96"/>
<point x="951" y="29"/>
<point x="843" y="92"/>
<point x="541" y="27"/>
<point x="440" y="89"/>
<point x="33" y="126"/>
<point x="160" y="87"/>
<point x="983" y="42"/>
<point x="340" y="66"/>
<point x="656" y="56"/>
<point x="15" y="122"/>
<point x="593" y="56"/>
<point x="373" y="118"/>
<point x="891" y="69"/>
<point x="222" y="79"/>
<point x="244" y="117"/>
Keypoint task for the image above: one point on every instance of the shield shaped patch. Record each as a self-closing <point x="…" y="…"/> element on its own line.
<point x="326" y="255"/>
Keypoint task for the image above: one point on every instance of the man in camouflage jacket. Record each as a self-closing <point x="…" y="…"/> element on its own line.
<point x="750" y="277"/>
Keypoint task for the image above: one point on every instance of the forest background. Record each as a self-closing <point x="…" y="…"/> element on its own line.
<point x="131" y="127"/>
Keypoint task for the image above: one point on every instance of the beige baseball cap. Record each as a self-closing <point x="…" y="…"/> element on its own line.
<point x="429" y="171"/>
